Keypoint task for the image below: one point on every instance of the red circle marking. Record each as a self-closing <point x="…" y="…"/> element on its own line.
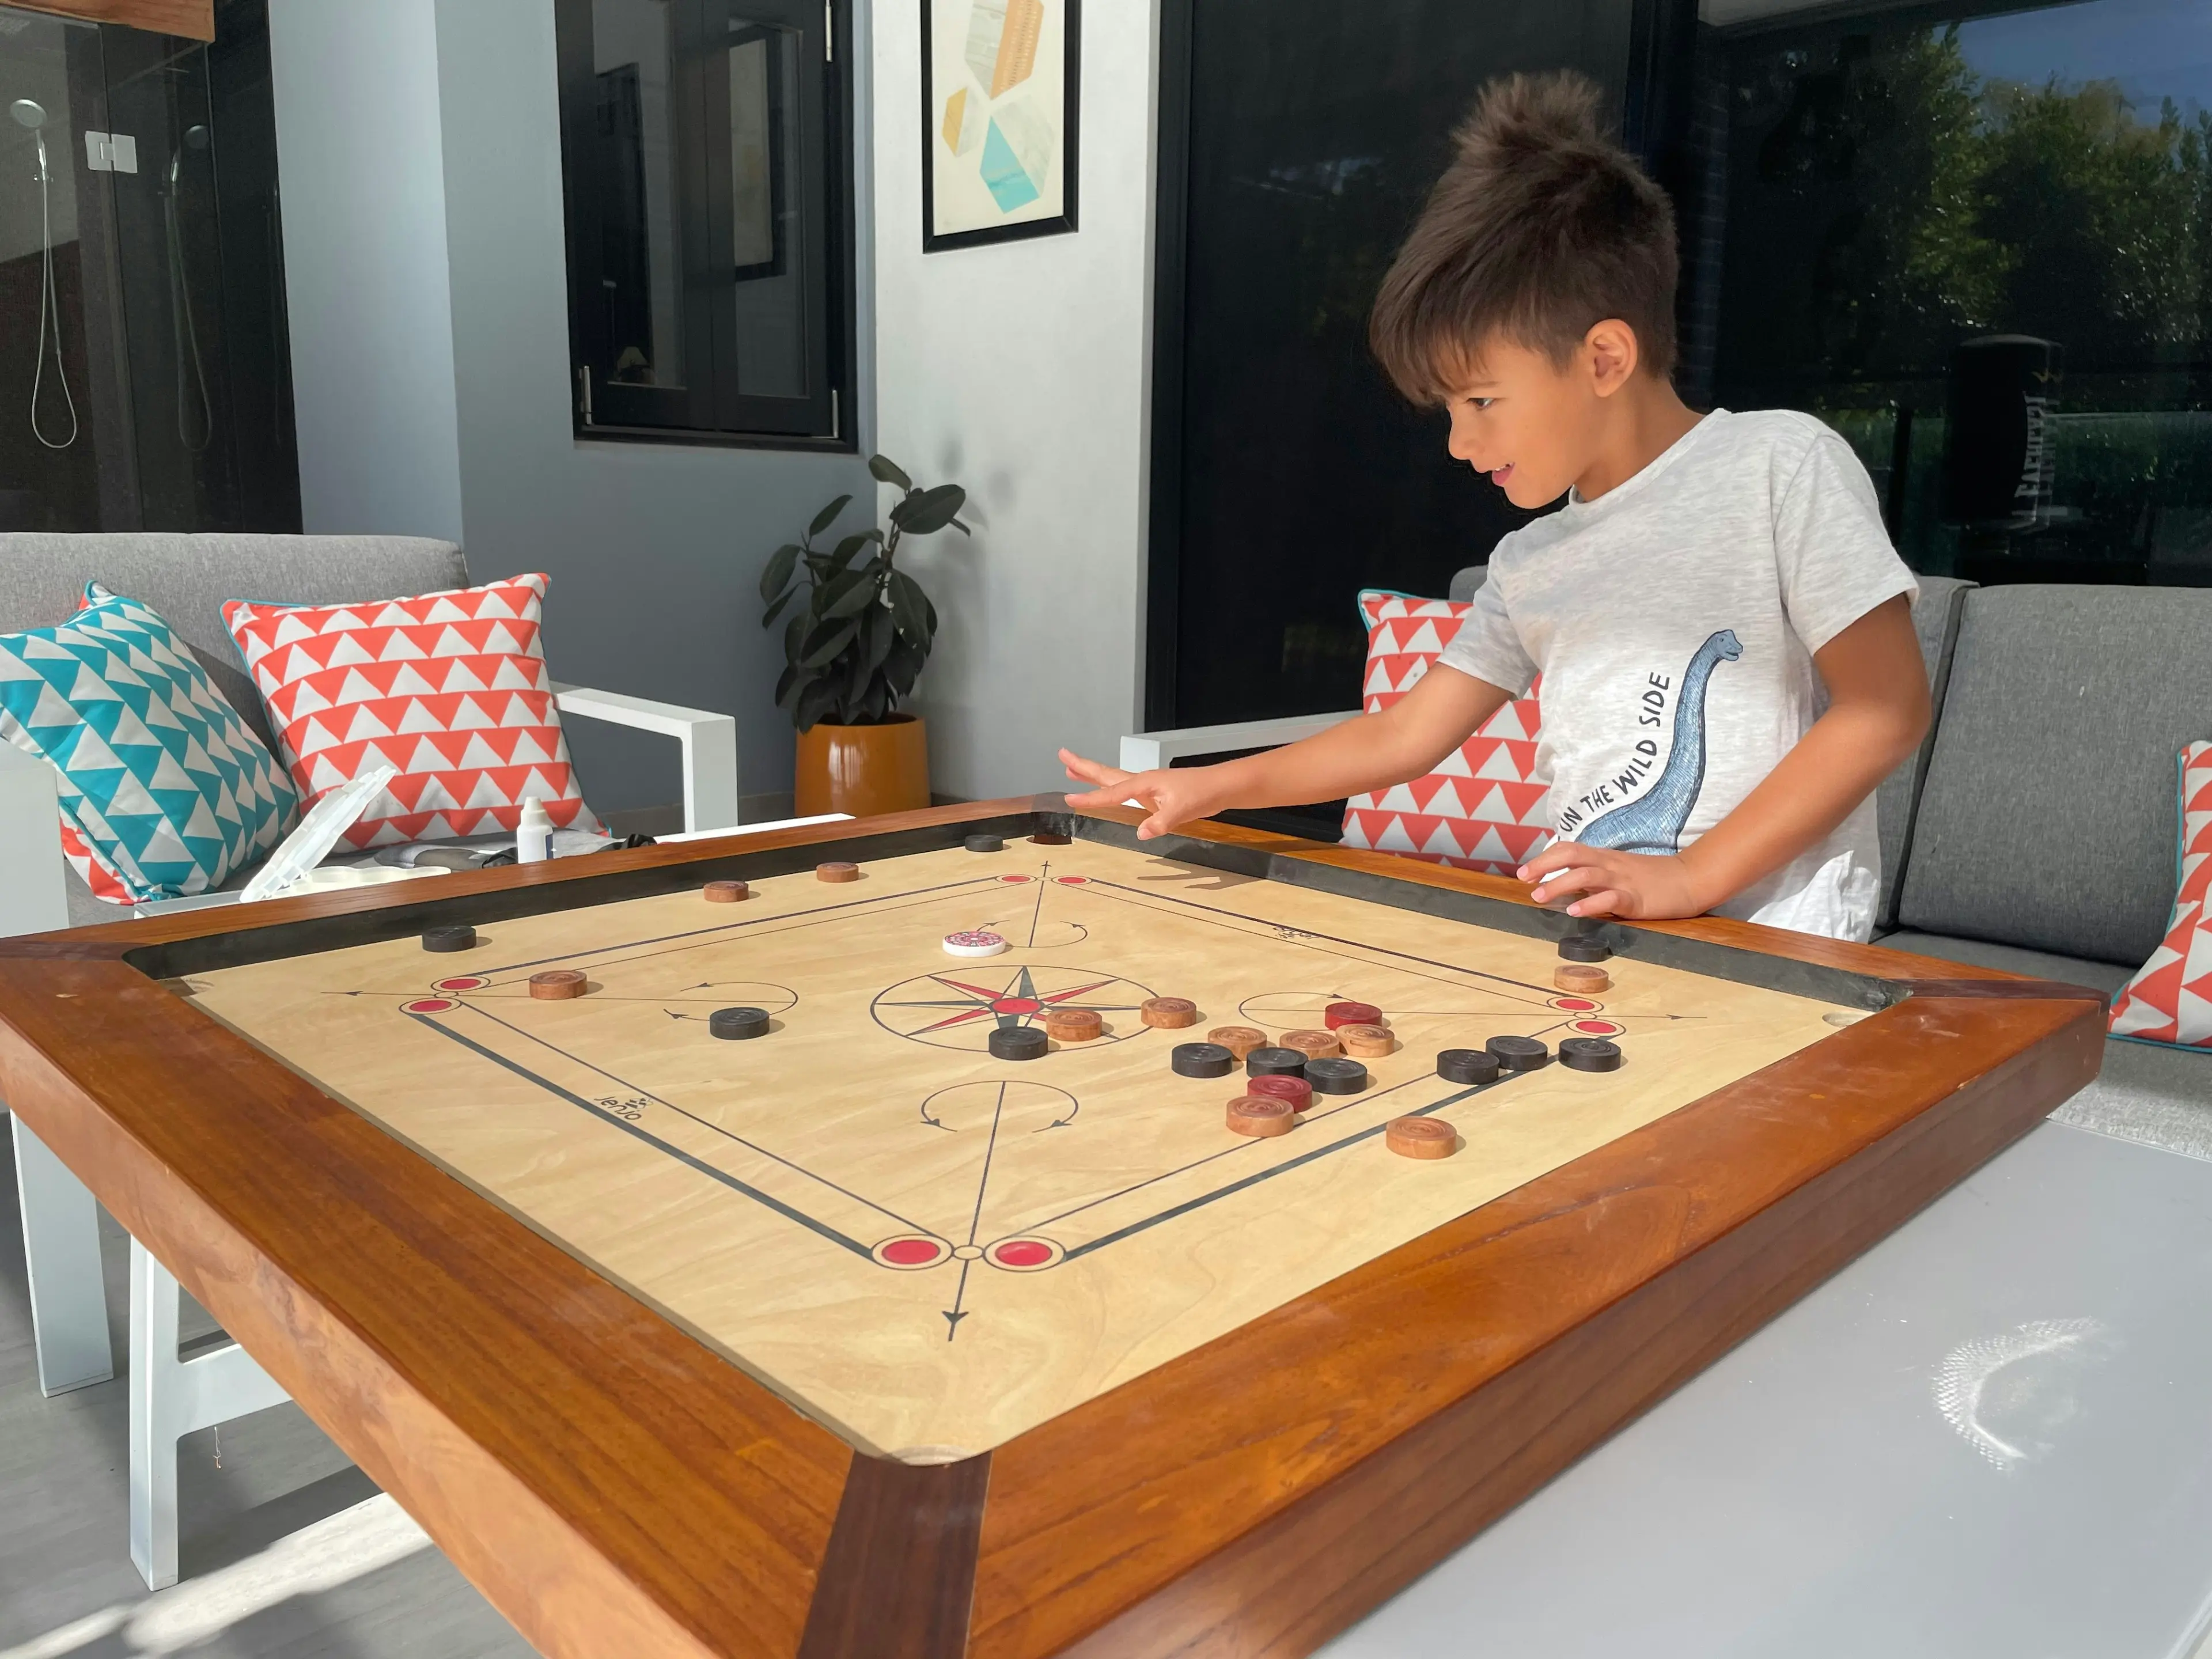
<point x="1021" y="1252"/>
<point x="467" y="984"/>
<point x="1597" y="1028"/>
<point x="911" y="1252"/>
<point x="1017" y="881"/>
<point x="429" y="1005"/>
<point x="1016" y="1005"/>
<point x="1071" y="881"/>
<point x="1575" y="1004"/>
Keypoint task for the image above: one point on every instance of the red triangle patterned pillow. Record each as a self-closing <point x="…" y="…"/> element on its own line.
<point x="450" y="688"/>
<point x="1483" y="809"/>
<point x="2170" y="998"/>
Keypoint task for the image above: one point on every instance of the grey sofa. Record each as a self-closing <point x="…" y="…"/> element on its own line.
<point x="2038" y="835"/>
<point x="187" y="578"/>
<point x="2034" y="830"/>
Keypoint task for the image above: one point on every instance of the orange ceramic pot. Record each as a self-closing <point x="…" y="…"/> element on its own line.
<point x="863" y="769"/>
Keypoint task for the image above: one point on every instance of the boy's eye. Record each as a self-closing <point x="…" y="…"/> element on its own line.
<point x="1480" y="402"/>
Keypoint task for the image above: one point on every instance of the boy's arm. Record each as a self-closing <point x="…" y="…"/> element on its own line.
<point x="1369" y="751"/>
<point x="1878" y="711"/>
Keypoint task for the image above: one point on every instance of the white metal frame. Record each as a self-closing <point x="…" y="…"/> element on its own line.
<point x="61" y="1249"/>
<point x="1146" y="751"/>
<point x="710" y="746"/>
<point x="170" y="1398"/>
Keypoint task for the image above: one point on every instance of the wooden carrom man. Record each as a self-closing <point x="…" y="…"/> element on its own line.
<point x="707" y="1278"/>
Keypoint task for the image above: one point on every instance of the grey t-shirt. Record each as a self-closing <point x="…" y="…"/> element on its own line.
<point x="1674" y="620"/>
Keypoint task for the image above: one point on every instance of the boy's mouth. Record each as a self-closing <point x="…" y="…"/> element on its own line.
<point x="1499" y="475"/>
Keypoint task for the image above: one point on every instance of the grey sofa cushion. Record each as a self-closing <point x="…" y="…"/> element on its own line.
<point x="1464" y="584"/>
<point x="2046" y="817"/>
<point x="2106" y="976"/>
<point x="1935" y="620"/>
<point x="187" y="577"/>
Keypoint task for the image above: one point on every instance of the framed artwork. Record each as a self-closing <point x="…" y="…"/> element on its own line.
<point x="999" y="84"/>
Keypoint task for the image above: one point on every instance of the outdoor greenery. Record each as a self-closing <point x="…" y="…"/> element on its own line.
<point x="1924" y="204"/>
<point x="860" y="629"/>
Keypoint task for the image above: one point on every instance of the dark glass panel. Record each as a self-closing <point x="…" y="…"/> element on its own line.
<point x="1288" y="474"/>
<point x="1981" y="246"/>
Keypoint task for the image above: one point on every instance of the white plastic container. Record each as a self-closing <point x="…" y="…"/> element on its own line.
<point x="533" y="835"/>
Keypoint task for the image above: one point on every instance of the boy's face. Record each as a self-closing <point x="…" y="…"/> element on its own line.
<point x="1533" y="425"/>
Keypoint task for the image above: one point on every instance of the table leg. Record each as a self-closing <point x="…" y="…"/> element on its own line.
<point x="61" y="1250"/>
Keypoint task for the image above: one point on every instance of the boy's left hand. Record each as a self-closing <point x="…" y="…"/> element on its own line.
<point x="1606" y="883"/>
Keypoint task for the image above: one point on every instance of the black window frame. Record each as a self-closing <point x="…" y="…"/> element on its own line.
<point x="712" y="409"/>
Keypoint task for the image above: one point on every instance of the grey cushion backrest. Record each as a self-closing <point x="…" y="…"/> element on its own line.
<point x="1464" y="584"/>
<point x="2046" y="817"/>
<point x="186" y="578"/>
<point x="1935" y="620"/>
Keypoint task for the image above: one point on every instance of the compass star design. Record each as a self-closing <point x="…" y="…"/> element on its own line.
<point x="980" y="1005"/>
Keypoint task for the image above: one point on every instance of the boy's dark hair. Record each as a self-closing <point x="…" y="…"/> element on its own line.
<point x="1539" y="228"/>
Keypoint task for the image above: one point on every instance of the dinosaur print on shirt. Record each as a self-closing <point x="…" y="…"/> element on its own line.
<point x="1654" y="820"/>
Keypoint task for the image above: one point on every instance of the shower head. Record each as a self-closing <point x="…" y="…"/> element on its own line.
<point x="28" y="113"/>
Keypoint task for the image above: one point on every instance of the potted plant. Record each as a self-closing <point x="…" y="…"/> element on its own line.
<point x="858" y="633"/>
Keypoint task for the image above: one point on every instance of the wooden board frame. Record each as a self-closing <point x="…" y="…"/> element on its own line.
<point x="613" y="1486"/>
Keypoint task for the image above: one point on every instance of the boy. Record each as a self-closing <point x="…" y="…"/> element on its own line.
<point x="1679" y="605"/>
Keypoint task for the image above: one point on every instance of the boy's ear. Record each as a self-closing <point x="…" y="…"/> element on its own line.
<point x="1612" y="352"/>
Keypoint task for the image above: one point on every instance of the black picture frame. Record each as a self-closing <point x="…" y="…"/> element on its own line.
<point x="1062" y="224"/>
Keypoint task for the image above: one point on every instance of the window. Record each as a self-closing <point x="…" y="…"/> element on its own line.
<point x="710" y="223"/>
<point x="1928" y="220"/>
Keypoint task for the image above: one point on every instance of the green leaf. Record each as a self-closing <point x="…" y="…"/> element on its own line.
<point x="784" y="681"/>
<point x="884" y="470"/>
<point x="825" y="642"/>
<point x="850" y="546"/>
<point x="878" y="632"/>
<point x="777" y="576"/>
<point x="856" y="597"/>
<point x="777" y="609"/>
<point x="928" y="511"/>
<point x="815" y="701"/>
<point x="904" y="667"/>
<point x="906" y="609"/>
<point x="793" y="632"/>
<point x="795" y="680"/>
<point x="827" y="516"/>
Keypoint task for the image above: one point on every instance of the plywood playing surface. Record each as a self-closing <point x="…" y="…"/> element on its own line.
<point x="928" y="1249"/>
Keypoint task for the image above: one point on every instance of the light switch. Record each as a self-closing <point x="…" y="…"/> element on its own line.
<point x="98" y="154"/>
<point x="122" y="152"/>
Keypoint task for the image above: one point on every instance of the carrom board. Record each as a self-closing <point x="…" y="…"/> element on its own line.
<point x="854" y="1340"/>
<point x="929" y="1249"/>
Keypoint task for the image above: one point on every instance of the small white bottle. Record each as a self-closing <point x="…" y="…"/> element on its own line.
<point x="533" y="835"/>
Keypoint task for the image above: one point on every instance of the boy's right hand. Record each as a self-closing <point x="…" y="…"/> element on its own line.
<point x="1173" y="798"/>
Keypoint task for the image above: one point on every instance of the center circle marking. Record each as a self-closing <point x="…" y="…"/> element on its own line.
<point x="1016" y="1005"/>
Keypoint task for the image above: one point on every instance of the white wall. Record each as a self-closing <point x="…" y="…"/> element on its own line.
<point x="427" y="263"/>
<point x="655" y="550"/>
<point x="359" y="135"/>
<point x="1022" y="372"/>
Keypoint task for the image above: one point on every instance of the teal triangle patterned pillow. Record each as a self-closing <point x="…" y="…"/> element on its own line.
<point x="164" y="789"/>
